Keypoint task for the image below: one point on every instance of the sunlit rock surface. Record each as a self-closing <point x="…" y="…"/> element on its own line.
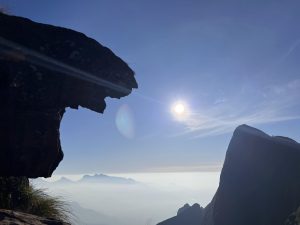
<point x="19" y="218"/>
<point x="259" y="183"/>
<point x="43" y="70"/>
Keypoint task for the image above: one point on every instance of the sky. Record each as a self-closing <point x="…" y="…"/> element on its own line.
<point x="228" y="62"/>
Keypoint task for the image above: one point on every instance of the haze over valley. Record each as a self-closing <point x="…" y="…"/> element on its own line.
<point x="145" y="200"/>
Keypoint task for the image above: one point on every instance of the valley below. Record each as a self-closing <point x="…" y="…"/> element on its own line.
<point x="144" y="199"/>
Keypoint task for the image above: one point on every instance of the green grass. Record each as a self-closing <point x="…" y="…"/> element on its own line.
<point x="41" y="204"/>
<point x="19" y="195"/>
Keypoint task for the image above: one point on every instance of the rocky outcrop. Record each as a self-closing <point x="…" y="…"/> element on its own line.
<point x="43" y="70"/>
<point x="19" y="218"/>
<point x="183" y="208"/>
<point x="187" y="215"/>
<point x="259" y="183"/>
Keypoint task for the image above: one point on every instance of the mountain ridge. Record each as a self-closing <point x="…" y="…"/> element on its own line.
<point x="96" y="178"/>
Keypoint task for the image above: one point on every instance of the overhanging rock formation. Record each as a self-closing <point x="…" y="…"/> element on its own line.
<point x="259" y="183"/>
<point x="43" y="70"/>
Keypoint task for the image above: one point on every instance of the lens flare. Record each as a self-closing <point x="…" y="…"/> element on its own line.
<point x="125" y="122"/>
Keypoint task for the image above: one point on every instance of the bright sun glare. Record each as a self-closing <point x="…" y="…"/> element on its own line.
<point x="179" y="110"/>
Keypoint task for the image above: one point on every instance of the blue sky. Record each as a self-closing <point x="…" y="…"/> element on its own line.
<point x="230" y="62"/>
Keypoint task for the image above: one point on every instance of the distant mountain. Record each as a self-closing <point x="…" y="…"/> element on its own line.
<point x="97" y="178"/>
<point x="101" y="178"/>
<point x="259" y="184"/>
<point x="64" y="181"/>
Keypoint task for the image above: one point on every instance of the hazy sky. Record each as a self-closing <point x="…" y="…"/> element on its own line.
<point x="230" y="62"/>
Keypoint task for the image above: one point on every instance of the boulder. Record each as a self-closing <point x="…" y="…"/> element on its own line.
<point x="43" y="70"/>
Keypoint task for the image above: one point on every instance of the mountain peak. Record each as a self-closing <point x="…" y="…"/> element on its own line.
<point x="258" y="169"/>
<point x="102" y="178"/>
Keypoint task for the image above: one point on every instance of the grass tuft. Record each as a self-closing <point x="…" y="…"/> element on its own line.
<point x="39" y="203"/>
<point x="16" y="193"/>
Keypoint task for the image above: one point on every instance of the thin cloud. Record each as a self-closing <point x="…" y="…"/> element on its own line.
<point x="291" y="49"/>
<point x="274" y="104"/>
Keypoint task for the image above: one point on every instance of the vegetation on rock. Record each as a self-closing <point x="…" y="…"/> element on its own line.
<point x="16" y="193"/>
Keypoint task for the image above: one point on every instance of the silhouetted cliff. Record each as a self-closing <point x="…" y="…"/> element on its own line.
<point x="43" y="70"/>
<point x="259" y="183"/>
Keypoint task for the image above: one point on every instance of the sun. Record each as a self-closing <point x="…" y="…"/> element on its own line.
<point x="179" y="110"/>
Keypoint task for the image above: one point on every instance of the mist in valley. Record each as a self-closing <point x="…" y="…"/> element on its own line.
<point x="144" y="199"/>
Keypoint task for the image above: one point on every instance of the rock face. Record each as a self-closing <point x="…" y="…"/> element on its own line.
<point x="183" y="209"/>
<point x="19" y="218"/>
<point x="259" y="183"/>
<point x="187" y="215"/>
<point x="260" y="180"/>
<point x="43" y="70"/>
